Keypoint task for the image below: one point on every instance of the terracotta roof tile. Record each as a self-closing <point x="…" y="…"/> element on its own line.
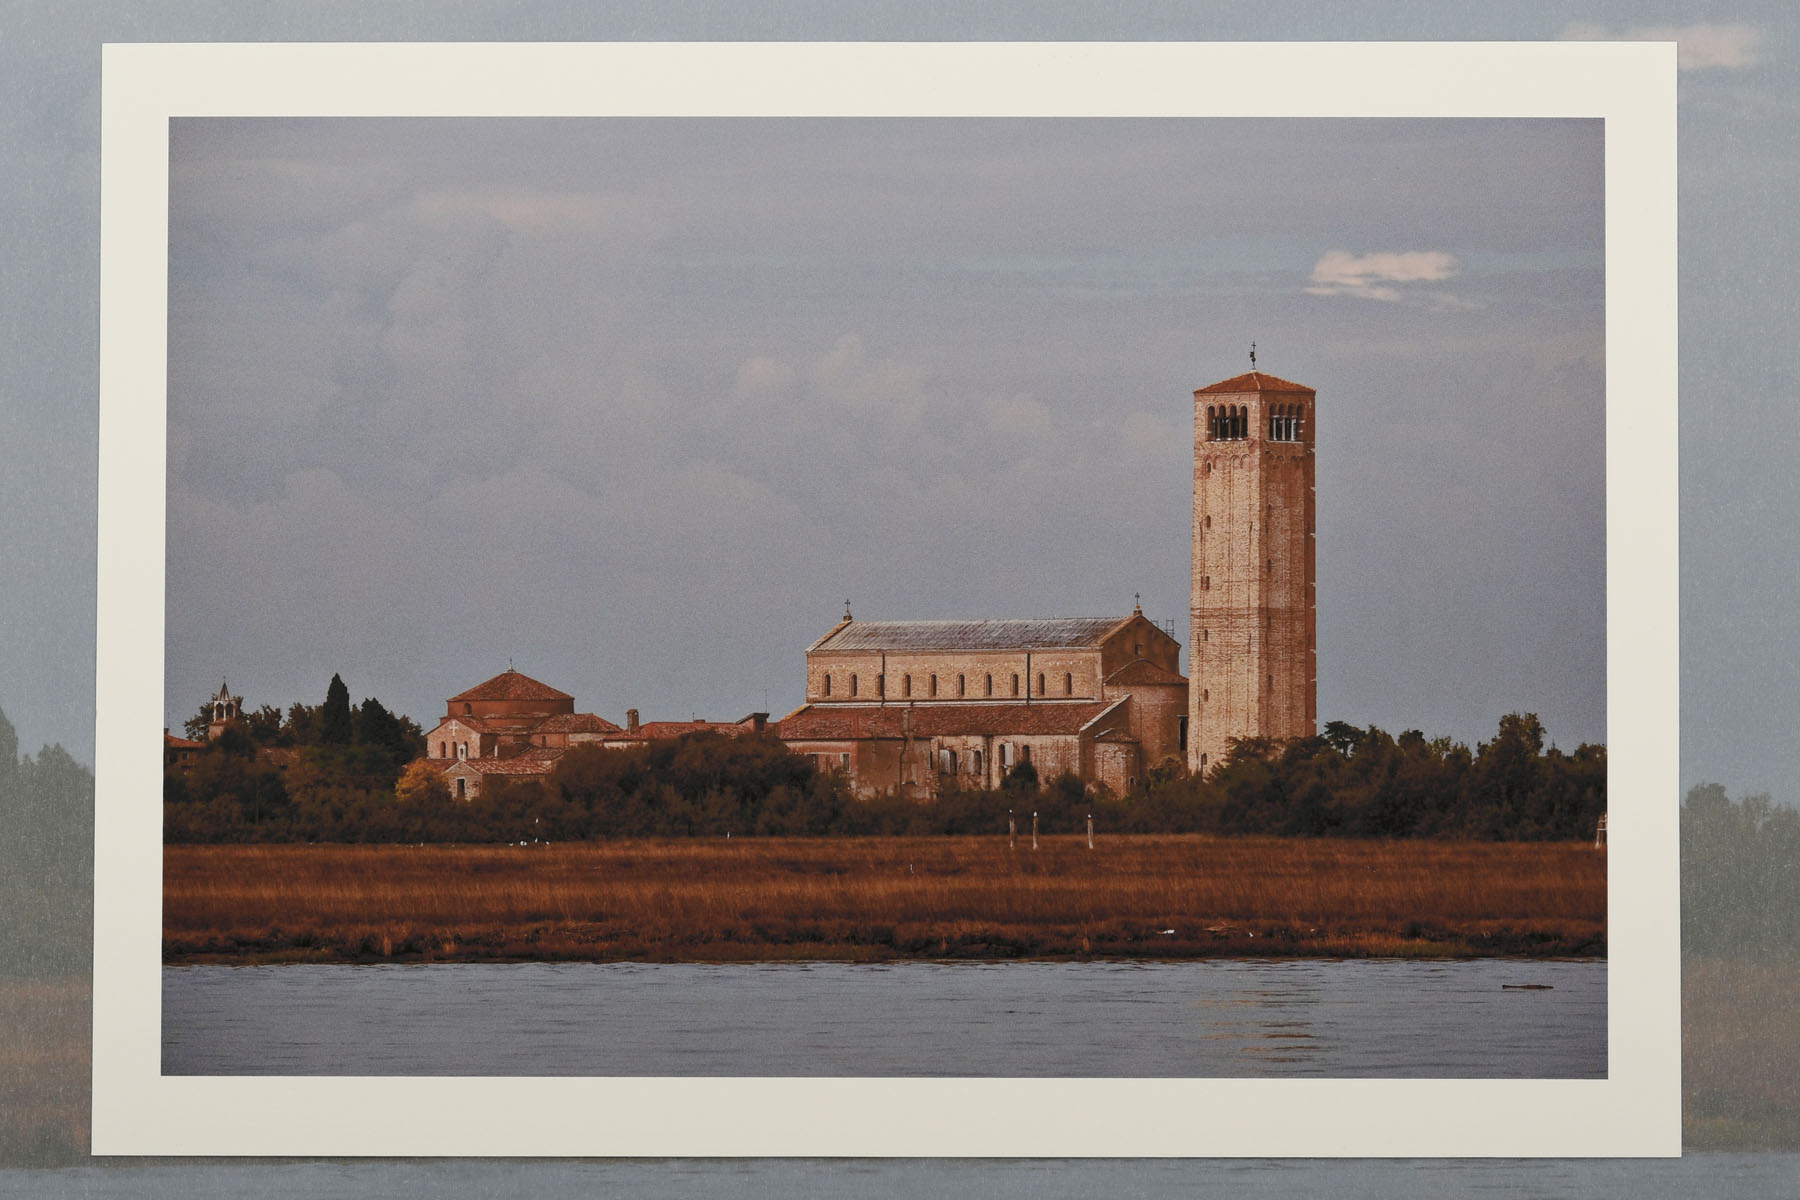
<point x="478" y="724"/>
<point x="511" y="685"/>
<point x="171" y="742"/>
<point x="1140" y="673"/>
<point x="532" y="762"/>
<point x="654" y="731"/>
<point x="836" y="722"/>
<point x="575" y="723"/>
<point x="1254" y="381"/>
<point x="1023" y="634"/>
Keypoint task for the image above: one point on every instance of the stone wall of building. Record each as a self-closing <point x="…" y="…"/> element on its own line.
<point x="964" y="675"/>
<point x="1117" y="766"/>
<point x="1157" y="712"/>
<point x="451" y="733"/>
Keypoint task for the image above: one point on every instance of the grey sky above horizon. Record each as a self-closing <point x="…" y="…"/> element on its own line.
<point x="1739" y="97"/>
<point x="636" y="404"/>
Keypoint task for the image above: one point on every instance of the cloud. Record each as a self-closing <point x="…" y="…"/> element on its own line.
<point x="762" y="376"/>
<point x="1016" y="415"/>
<point x="847" y="376"/>
<point x="1698" y="47"/>
<point x="1372" y="276"/>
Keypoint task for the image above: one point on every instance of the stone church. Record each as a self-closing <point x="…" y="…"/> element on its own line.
<point x="913" y="706"/>
<point x="514" y="727"/>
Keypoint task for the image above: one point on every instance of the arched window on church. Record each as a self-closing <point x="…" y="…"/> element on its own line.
<point x="468" y="709"/>
<point x="1212" y="423"/>
<point x="906" y="685"/>
<point x="934" y="685"/>
<point x="1015" y="683"/>
<point x="961" y="689"/>
<point x="989" y="686"/>
<point x="443" y="750"/>
<point x="1040" y="683"/>
<point x="828" y="684"/>
<point x="855" y="684"/>
<point x="1068" y="683"/>
<point x="881" y="685"/>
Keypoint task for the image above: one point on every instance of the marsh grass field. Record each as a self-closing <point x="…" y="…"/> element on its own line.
<point x="880" y="899"/>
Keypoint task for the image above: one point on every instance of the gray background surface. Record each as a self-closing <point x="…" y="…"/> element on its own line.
<point x="1740" y="498"/>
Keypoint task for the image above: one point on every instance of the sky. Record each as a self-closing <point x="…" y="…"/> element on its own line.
<point x="636" y="405"/>
<point x="1739" y="98"/>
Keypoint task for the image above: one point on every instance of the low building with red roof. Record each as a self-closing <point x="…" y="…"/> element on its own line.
<point x="515" y="727"/>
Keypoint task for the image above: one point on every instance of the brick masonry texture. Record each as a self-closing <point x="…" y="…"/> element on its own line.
<point x="1252" y="638"/>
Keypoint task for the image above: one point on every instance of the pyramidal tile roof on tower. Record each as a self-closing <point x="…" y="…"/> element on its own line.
<point x="511" y="685"/>
<point x="1252" y="381"/>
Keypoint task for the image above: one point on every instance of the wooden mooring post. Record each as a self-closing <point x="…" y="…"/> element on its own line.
<point x="1034" y="829"/>
<point x="1090" y="831"/>
<point x="1012" y="829"/>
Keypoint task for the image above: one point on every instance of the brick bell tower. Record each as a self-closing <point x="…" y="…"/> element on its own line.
<point x="1252" y="645"/>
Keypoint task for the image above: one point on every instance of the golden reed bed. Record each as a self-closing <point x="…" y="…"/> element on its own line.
<point x="868" y="899"/>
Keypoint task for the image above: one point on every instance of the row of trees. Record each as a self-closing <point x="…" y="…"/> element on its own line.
<point x="334" y="723"/>
<point x="1346" y="782"/>
<point x="46" y="860"/>
<point x="1740" y="876"/>
<point x="316" y="770"/>
<point x="1366" y="783"/>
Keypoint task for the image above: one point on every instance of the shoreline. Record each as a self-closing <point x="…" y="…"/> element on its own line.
<point x="974" y="947"/>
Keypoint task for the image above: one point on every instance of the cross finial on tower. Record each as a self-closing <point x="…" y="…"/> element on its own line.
<point x="1137" y="604"/>
<point x="1253" y="356"/>
<point x="846" y="608"/>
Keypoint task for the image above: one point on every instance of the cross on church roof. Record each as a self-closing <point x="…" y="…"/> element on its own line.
<point x="1253" y="356"/>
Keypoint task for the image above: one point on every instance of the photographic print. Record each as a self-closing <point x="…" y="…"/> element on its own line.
<point x="1003" y="600"/>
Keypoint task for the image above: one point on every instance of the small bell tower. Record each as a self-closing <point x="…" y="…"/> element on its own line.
<point x="222" y="710"/>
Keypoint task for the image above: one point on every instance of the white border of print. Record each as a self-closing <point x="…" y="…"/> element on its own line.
<point x="1634" y="1111"/>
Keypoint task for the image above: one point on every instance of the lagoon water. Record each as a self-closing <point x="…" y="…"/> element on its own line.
<point x="1214" y="1019"/>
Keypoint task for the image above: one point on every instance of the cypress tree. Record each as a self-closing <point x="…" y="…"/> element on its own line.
<point x="334" y="717"/>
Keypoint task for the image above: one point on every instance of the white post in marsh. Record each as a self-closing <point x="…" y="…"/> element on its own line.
<point x="1090" y="831"/>
<point x="1012" y="829"/>
<point x="1034" y="829"/>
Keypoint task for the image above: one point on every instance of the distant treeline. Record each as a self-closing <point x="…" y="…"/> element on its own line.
<point x="46" y="863"/>
<point x="1347" y="782"/>
<point x="1740" y="876"/>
